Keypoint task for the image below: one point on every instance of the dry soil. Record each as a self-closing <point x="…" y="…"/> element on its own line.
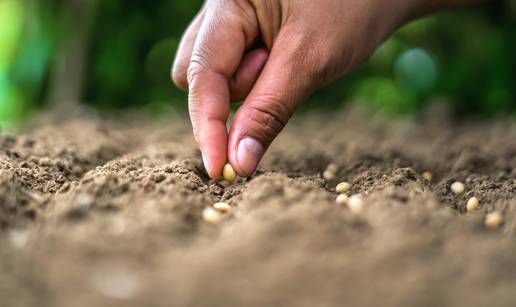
<point x="102" y="212"/>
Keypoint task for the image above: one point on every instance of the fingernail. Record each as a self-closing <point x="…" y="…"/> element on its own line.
<point x="206" y="162"/>
<point x="249" y="153"/>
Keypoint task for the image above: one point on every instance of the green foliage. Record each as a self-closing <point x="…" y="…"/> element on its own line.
<point x="467" y="57"/>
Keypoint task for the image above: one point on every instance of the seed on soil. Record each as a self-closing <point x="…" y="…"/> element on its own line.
<point x="328" y="176"/>
<point x="332" y="167"/>
<point x="493" y="220"/>
<point x="472" y="204"/>
<point x="355" y="203"/>
<point x="342" y="199"/>
<point x="342" y="187"/>
<point x="229" y="173"/>
<point x="212" y="216"/>
<point x="222" y="207"/>
<point x="428" y="176"/>
<point x="457" y="187"/>
<point x="330" y="172"/>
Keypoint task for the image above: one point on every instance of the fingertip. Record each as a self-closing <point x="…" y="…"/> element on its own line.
<point x="213" y="143"/>
<point x="212" y="165"/>
<point x="178" y="75"/>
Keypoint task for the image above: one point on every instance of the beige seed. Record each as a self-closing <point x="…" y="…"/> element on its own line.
<point x="355" y="203"/>
<point x="229" y="173"/>
<point x="493" y="220"/>
<point x="342" y="187"/>
<point x="472" y="204"/>
<point x="328" y="176"/>
<point x="457" y="187"/>
<point x="222" y="207"/>
<point x="428" y="176"/>
<point x="332" y="167"/>
<point x="212" y="216"/>
<point x="342" y="199"/>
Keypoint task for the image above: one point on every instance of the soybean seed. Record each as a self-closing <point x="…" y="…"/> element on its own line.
<point x="342" y="199"/>
<point x="222" y="207"/>
<point x="342" y="187"/>
<point x="428" y="176"/>
<point x="332" y="167"/>
<point x="472" y="204"/>
<point x="457" y="187"/>
<point x="328" y="176"/>
<point x="212" y="216"/>
<point x="356" y="203"/>
<point x="229" y="173"/>
<point x="493" y="220"/>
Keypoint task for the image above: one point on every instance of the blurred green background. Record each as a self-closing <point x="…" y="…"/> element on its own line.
<point x="114" y="54"/>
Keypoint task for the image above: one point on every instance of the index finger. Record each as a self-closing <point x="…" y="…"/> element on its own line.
<point x="216" y="55"/>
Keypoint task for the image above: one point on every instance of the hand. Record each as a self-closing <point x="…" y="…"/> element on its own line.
<point x="273" y="54"/>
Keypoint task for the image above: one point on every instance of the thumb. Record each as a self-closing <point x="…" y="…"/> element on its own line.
<point x="287" y="79"/>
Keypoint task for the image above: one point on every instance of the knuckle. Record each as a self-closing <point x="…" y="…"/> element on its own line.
<point x="198" y="65"/>
<point x="270" y="114"/>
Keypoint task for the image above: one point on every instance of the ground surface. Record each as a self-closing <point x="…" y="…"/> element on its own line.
<point x="95" y="213"/>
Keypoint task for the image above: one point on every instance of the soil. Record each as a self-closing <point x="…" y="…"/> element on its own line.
<point x="97" y="212"/>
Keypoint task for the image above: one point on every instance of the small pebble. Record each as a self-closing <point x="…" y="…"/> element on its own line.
<point x="472" y="204"/>
<point x="342" y="187"/>
<point x="355" y="203"/>
<point x="212" y="216"/>
<point x="342" y="199"/>
<point x="493" y="220"/>
<point x="229" y="173"/>
<point x="222" y="207"/>
<point x="457" y="187"/>
<point x="428" y="176"/>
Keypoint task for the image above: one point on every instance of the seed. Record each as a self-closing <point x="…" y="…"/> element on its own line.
<point x="222" y="207"/>
<point x="428" y="176"/>
<point x="493" y="220"/>
<point x="210" y="215"/>
<point x="328" y="176"/>
<point x="332" y="167"/>
<point x="342" y="199"/>
<point x="355" y="203"/>
<point x="342" y="187"/>
<point x="457" y="187"/>
<point x="229" y="173"/>
<point x="472" y="204"/>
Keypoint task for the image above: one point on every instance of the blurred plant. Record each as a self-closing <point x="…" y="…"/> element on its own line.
<point x="466" y="56"/>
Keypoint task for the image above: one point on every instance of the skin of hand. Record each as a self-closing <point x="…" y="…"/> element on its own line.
<point x="273" y="54"/>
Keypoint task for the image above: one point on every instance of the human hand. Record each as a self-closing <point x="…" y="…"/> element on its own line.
<point x="272" y="54"/>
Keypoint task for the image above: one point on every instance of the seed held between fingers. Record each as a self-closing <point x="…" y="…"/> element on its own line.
<point x="342" y="187"/>
<point x="229" y="173"/>
<point x="472" y="204"/>
<point x="457" y="187"/>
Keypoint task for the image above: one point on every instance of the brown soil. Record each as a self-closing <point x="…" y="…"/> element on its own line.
<point x="95" y="213"/>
